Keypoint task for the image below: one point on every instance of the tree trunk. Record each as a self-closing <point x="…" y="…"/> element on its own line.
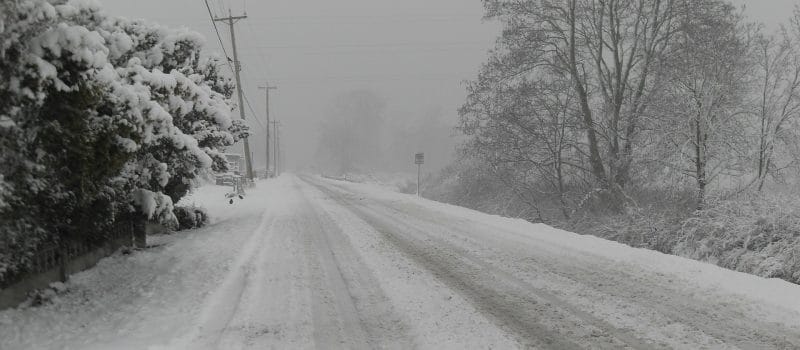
<point x="596" y="162"/>
<point x="700" y="164"/>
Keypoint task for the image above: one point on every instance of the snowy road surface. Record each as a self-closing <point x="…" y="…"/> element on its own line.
<point x="305" y="262"/>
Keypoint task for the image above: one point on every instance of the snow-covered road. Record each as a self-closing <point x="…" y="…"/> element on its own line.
<point x="306" y="262"/>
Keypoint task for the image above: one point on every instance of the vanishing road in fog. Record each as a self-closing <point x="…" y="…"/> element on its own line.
<point x="307" y="262"/>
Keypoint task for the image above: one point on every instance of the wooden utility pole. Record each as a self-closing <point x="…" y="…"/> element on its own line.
<point x="266" y="89"/>
<point x="278" y="159"/>
<point x="230" y="21"/>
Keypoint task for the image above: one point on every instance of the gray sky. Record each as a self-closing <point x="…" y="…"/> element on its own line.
<point x="413" y="53"/>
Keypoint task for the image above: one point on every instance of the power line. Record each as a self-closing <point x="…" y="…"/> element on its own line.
<point x="219" y="38"/>
<point x="253" y="112"/>
<point x="216" y="30"/>
<point x="227" y="61"/>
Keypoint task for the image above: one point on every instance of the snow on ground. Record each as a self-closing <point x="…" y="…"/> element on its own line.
<point x="394" y="181"/>
<point x="710" y="279"/>
<point x="635" y="295"/>
<point x="130" y="301"/>
<point x="306" y="262"/>
<point x="437" y="317"/>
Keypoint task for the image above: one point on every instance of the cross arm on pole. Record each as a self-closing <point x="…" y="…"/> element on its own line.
<point x="229" y="18"/>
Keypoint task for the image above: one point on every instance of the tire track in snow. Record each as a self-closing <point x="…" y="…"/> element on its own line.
<point x="353" y="296"/>
<point x="434" y="316"/>
<point x="506" y="310"/>
<point x="224" y="303"/>
<point x="537" y="317"/>
<point x="300" y="284"/>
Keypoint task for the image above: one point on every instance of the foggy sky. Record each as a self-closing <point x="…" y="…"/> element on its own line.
<point x="413" y="53"/>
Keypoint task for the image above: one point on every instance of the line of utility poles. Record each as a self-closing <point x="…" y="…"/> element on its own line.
<point x="266" y="89"/>
<point x="248" y="159"/>
<point x="230" y="21"/>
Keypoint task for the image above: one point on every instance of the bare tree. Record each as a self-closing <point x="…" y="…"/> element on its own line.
<point x="529" y="129"/>
<point x="708" y="87"/>
<point x="611" y="52"/>
<point x="778" y="101"/>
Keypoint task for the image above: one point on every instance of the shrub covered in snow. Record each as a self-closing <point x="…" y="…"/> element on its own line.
<point x="755" y="233"/>
<point x="191" y="217"/>
<point x="100" y="118"/>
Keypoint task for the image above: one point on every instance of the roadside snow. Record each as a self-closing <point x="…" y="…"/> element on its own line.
<point x="774" y="300"/>
<point x="397" y="181"/>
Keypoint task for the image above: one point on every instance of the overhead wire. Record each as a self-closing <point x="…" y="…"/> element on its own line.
<point x="247" y="102"/>
<point x="228" y="61"/>
<point x="219" y="38"/>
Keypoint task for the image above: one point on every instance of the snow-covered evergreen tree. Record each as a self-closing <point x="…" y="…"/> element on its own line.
<point x="100" y="118"/>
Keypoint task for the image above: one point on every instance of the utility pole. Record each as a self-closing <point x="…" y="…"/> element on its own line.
<point x="230" y="21"/>
<point x="266" y="89"/>
<point x="419" y="159"/>
<point x="276" y="126"/>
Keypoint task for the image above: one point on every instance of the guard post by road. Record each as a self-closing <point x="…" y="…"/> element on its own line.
<point x="419" y="159"/>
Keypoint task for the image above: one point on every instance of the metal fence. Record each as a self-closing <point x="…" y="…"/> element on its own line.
<point x="53" y="256"/>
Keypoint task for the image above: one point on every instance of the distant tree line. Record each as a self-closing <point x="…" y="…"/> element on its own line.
<point x="100" y="118"/>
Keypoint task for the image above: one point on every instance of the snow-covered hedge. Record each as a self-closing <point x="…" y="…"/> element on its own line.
<point x="100" y="118"/>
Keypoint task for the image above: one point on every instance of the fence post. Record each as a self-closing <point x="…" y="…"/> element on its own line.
<point x="63" y="256"/>
<point x="126" y="232"/>
<point x="139" y="233"/>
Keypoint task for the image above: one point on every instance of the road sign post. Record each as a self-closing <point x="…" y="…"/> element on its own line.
<point x="419" y="159"/>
